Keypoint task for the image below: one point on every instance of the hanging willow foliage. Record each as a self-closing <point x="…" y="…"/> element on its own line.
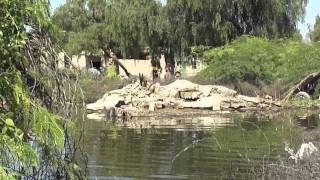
<point x="174" y="26"/>
<point x="36" y="98"/>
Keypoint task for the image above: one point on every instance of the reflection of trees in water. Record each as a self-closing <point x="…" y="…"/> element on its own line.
<point x="255" y="143"/>
<point x="309" y="122"/>
<point x="238" y="150"/>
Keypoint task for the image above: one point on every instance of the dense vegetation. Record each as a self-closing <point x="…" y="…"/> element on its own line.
<point x="37" y="141"/>
<point x="131" y="25"/>
<point x="255" y="62"/>
<point x="37" y="100"/>
<point x="94" y="87"/>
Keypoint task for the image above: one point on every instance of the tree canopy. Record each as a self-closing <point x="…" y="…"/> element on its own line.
<point x="104" y="25"/>
<point x="131" y="25"/>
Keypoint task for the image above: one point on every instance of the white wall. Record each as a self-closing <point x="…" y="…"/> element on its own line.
<point x="141" y="66"/>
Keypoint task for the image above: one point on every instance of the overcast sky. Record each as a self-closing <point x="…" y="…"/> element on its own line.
<point x="313" y="9"/>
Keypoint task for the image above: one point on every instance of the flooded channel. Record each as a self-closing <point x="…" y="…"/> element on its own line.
<point x="193" y="147"/>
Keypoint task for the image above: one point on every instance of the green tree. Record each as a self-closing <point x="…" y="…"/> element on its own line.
<point x="315" y="33"/>
<point x="35" y="134"/>
<point x="108" y="25"/>
<point x="72" y="16"/>
<point x="121" y="26"/>
<point x="214" y="23"/>
<point x="131" y="25"/>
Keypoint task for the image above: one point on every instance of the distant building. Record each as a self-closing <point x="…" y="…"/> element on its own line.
<point x="83" y="62"/>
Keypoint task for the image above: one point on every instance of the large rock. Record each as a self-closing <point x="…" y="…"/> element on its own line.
<point x="107" y="102"/>
<point x="183" y="85"/>
<point x="160" y="105"/>
<point x="254" y="100"/>
<point x="172" y="102"/>
<point x="216" y="103"/>
<point x="212" y="102"/>
<point x="205" y="90"/>
<point x="169" y="92"/>
<point x="128" y="99"/>
<point x="174" y="89"/>
<point x="155" y="88"/>
<point x="223" y="90"/>
<point x="152" y="106"/>
<point x="232" y="103"/>
<point x="190" y="95"/>
<point x="203" y="103"/>
<point x="142" y="93"/>
<point x="143" y="103"/>
<point x="302" y="95"/>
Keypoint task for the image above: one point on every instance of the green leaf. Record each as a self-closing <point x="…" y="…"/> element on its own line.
<point x="20" y="136"/>
<point x="9" y="122"/>
<point x="4" y="130"/>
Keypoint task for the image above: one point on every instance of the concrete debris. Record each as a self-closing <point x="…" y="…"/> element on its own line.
<point x="135" y="100"/>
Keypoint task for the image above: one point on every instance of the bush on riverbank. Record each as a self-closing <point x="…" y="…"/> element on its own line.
<point x="111" y="74"/>
<point x="253" y="64"/>
<point x="94" y="87"/>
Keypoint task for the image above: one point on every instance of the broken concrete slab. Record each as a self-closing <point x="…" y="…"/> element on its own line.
<point x="179" y="94"/>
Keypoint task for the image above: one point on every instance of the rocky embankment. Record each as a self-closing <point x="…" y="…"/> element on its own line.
<point x="137" y="100"/>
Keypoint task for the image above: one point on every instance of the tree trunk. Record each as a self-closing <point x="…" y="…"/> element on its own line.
<point x="109" y="53"/>
<point x="118" y="63"/>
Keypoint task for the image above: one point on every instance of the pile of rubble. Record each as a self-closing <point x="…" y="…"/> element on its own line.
<point x="136" y="100"/>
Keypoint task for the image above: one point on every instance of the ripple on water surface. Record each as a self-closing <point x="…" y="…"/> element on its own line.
<point x="187" y="147"/>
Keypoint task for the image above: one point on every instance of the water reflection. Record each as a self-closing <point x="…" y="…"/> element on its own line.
<point x="209" y="147"/>
<point x="180" y="122"/>
<point x="309" y="122"/>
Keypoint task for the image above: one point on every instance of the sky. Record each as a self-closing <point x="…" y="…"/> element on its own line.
<point x="56" y="3"/>
<point x="313" y="9"/>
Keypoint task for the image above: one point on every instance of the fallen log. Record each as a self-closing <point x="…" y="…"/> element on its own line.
<point x="109" y="54"/>
<point x="118" y="63"/>
<point x="307" y="85"/>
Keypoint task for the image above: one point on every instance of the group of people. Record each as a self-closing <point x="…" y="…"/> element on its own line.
<point x="169" y="69"/>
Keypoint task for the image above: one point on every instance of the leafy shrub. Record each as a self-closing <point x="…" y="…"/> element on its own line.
<point x="259" y="61"/>
<point x="111" y="73"/>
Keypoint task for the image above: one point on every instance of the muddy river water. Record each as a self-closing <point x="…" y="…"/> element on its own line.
<point x="229" y="146"/>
